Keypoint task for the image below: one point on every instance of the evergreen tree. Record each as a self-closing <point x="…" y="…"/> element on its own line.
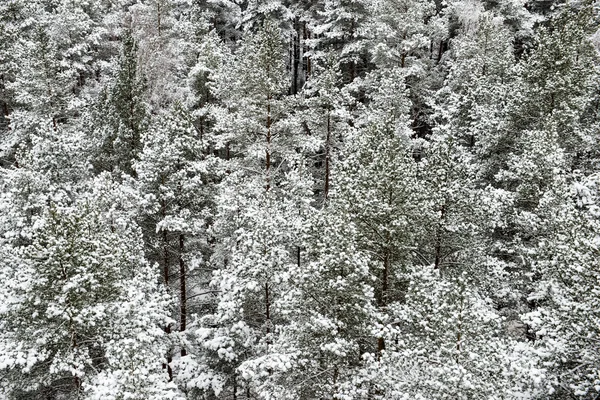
<point x="122" y="113"/>
<point x="340" y="31"/>
<point x="258" y="202"/>
<point x="74" y="307"/>
<point x="176" y="178"/>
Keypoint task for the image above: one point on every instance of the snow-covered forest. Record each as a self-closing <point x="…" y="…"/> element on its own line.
<point x="299" y="199"/>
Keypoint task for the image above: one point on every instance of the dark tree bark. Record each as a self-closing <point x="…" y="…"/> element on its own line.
<point x="306" y="64"/>
<point x="166" y="273"/>
<point x="438" y="239"/>
<point x="327" y="155"/>
<point x="295" y="59"/>
<point x="183" y="292"/>
<point x="268" y="144"/>
<point x="267" y="310"/>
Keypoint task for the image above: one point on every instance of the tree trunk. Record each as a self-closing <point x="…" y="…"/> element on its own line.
<point x="385" y="279"/>
<point x="268" y="147"/>
<point x="438" y="238"/>
<point x="307" y="66"/>
<point x="383" y="296"/>
<point x="459" y="328"/>
<point x="267" y="311"/>
<point x="165" y="247"/>
<point x="441" y="50"/>
<point x="380" y="346"/>
<point x="166" y="273"/>
<point x="403" y="57"/>
<point x="182" y="289"/>
<point x="234" y="386"/>
<point x="158" y="15"/>
<point x="327" y="154"/>
<point x="295" y="62"/>
<point x="353" y="62"/>
<point x="5" y="110"/>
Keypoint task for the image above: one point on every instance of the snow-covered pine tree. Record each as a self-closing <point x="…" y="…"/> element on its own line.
<point x="177" y="179"/>
<point x="254" y="226"/>
<point x="80" y="303"/>
<point x="121" y="118"/>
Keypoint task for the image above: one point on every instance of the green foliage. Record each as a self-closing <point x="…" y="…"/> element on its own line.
<point x="122" y="116"/>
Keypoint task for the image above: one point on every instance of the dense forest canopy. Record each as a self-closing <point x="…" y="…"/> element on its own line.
<point x="299" y="200"/>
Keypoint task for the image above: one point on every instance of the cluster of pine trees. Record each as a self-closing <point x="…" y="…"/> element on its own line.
<point x="299" y="200"/>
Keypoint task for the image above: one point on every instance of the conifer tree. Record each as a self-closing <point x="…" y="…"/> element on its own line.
<point x="324" y="122"/>
<point x="74" y="307"/>
<point x="340" y="31"/>
<point x="11" y="27"/>
<point x="123" y="114"/>
<point x="176" y="177"/>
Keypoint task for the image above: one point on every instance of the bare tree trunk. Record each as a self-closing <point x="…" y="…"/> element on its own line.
<point x="227" y="156"/>
<point x="268" y="144"/>
<point x="182" y="290"/>
<point x="441" y="51"/>
<point x="403" y="57"/>
<point x="76" y="380"/>
<point x="158" y="15"/>
<point x="353" y="62"/>
<point x="77" y="383"/>
<point x="234" y="386"/>
<point x="459" y="328"/>
<point x="438" y="238"/>
<point x="385" y="279"/>
<point x="165" y="248"/>
<point x="295" y="56"/>
<point x="5" y="109"/>
<point x="383" y="296"/>
<point x="306" y="36"/>
<point x="380" y="346"/>
<point x="166" y="273"/>
<point x="327" y="154"/>
<point x="267" y="311"/>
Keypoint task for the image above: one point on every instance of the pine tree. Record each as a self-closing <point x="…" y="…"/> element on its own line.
<point x="324" y="121"/>
<point x="379" y="185"/>
<point x="410" y="21"/>
<point x="255" y="224"/>
<point x="330" y="310"/>
<point x="122" y="113"/>
<point x="78" y="285"/>
<point x="11" y="27"/>
<point x="266" y="199"/>
<point x="554" y="230"/>
<point x="176" y="178"/>
<point x="340" y="31"/>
